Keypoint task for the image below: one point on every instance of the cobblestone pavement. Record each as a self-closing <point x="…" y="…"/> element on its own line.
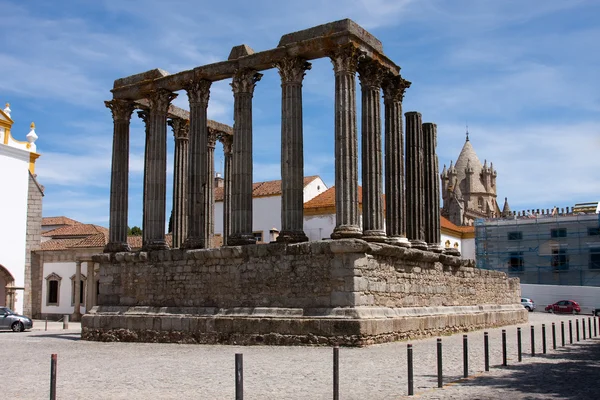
<point x="92" y="370"/>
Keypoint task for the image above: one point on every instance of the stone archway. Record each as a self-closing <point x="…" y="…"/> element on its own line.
<point x="7" y="294"/>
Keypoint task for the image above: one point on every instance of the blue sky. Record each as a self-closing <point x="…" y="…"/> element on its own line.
<point x="522" y="74"/>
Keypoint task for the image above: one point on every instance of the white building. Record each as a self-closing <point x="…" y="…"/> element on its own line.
<point x="20" y="214"/>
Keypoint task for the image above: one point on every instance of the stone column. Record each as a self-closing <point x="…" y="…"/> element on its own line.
<point x="292" y="71"/>
<point x="209" y="192"/>
<point x="432" y="188"/>
<point x="95" y="290"/>
<point x="77" y="307"/>
<point x="415" y="185"/>
<point x="371" y="76"/>
<point x="90" y="287"/>
<point x="181" y="130"/>
<point x="198" y="92"/>
<point x="395" y="200"/>
<point x="155" y="172"/>
<point x="119" y="180"/>
<point x="227" y="142"/>
<point x="345" y="62"/>
<point x="243" y="85"/>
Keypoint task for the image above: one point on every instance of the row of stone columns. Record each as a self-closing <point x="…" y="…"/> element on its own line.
<point x="194" y="222"/>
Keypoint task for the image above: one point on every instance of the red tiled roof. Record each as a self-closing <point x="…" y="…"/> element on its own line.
<point x="59" y="244"/>
<point x="76" y="230"/>
<point x="264" y="189"/>
<point x="445" y="223"/>
<point x="327" y="199"/>
<point x="46" y="221"/>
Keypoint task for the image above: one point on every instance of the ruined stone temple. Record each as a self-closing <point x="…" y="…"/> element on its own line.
<point x="370" y="283"/>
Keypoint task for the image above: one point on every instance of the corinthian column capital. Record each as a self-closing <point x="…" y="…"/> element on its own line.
<point x="371" y="74"/>
<point x="292" y="69"/>
<point x="160" y="100"/>
<point x="245" y="80"/>
<point x="345" y="59"/>
<point x="394" y="88"/>
<point x="227" y="142"/>
<point x="181" y="128"/>
<point x="212" y="138"/>
<point x="198" y="91"/>
<point x="121" y="109"/>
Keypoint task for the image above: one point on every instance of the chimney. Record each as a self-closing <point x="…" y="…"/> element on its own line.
<point x="219" y="181"/>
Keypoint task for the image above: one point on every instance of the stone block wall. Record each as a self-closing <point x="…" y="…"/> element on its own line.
<point x="32" y="241"/>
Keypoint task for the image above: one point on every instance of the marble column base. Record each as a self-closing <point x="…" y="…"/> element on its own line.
<point x="75" y="317"/>
<point x="117" y="247"/>
<point x="346" y="231"/>
<point x="435" y="247"/>
<point x="398" y="241"/>
<point x="292" y="237"/>
<point x="155" y="245"/>
<point x="452" y="252"/>
<point x="193" y="243"/>
<point x="418" y="244"/>
<point x="241" y="239"/>
<point x="374" y="236"/>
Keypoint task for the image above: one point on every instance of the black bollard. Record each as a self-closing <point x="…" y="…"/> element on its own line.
<point x="577" y="329"/>
<point x="544" y="338"/>
<point x="519" y="357"/>
<point x="562" y="332"/>
<point x="553" y="336"/>
<point x="465" y="356"/>
<point x="53" y="365"/>
<point x="239" y="376"/>
<point x="486" y="351"/>
<point x="336" y="373"/>
<point x="595" y="331"/>
<point x="590" y="327"/>
<point x="583" y="327"/>
<point x="409" y="361"/>
<point x="504" y="363"/>
<point x="570" y="332"/>
<point x="532" y="340"/>
<point x="439" y="362"/>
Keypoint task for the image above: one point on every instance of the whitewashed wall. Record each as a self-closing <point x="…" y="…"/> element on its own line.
<point x="14" y="181"/>
<point x="65" y="270"/>
<point x="313" y="189"/>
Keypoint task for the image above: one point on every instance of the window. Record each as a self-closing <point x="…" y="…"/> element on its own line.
<point x="515" y="235"/>
<point x="53" y="289"/>
<point x="81" y="290"/>
<point x="258" y="236"/>
<point x="593" y="231"/>
<point x="560" y="259"/>
<point x="595" y="258"/>
<point x="557" y="233"/>
<point x="480" y="203"/>
<point x="515" y="262"/>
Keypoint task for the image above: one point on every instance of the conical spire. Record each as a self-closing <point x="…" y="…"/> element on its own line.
<point x="506" y="208"/>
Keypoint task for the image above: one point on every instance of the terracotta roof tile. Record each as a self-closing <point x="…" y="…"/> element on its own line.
<point x="97" y="240"/>
<point x="59" y="244"/>
<point x="46" y="221"/>
<point x="264" y="189"/>
<point x="445" y="223"/>
<point x="327" y="199"/>
<point x="76" y="230"/>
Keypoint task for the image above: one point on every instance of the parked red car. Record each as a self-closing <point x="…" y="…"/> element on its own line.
<point x="564" y="306"/>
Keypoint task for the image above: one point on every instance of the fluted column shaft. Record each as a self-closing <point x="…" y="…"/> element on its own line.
<point x="371" y="77"/>
<point x="227" y="150"/>
<point x="432" y="187"/>
<point x="415" y="183"/>
<point x="180" y="172"/>
<point x="209" y="193"/>
<point x="119" y="179"/>
<point x="143" y="114"/>
<point x="198" y="92"/>
<point x="345" y="62"/>
<point x="155" y="174"/>
<point x="292" y="71"/>
<point x="90" y="287"/>
<point x="395" y="199"/>
<point x="243" y="85"/>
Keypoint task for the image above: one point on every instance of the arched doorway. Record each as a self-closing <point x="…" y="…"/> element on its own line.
<point x="7" y="294"/>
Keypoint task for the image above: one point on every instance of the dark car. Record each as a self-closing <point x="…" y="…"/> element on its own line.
<point x="16" y="322"/>
<point x="564" y="306"/>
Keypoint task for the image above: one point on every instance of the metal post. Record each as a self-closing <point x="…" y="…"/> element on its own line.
<point x="336" y="373"/>
<point x="66" y="321"/>
<point x="46" y="324"/>
<point x="519" y="357"/>
<point x="562" y="332"/>
<point x="577" y="329"/>
<point x="504" y="363"/>
<point x="532" y="340"/>
<point x="544" y="338"/>
<point x="553" y="336"/>
<point x="409" y="356"/>
<point x="595" y="331"/>
<point x="239" y="376"/>
<point x="439" y="362"/>
<point x="465" y="356"/>
<point x="486" y="350"/>
<point x="583" y="327"/>
<point x="53" y="365"/>
<point x="590" y="327"/>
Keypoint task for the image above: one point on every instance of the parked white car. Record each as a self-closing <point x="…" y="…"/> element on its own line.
<point x="528" y="303"/>
<point x="16" y="322"/>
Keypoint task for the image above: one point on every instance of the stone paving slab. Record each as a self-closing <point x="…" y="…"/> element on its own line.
<point x="93" y="370"/>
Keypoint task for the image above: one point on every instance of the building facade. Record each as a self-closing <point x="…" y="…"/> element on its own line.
<point x="21" y="212"/>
